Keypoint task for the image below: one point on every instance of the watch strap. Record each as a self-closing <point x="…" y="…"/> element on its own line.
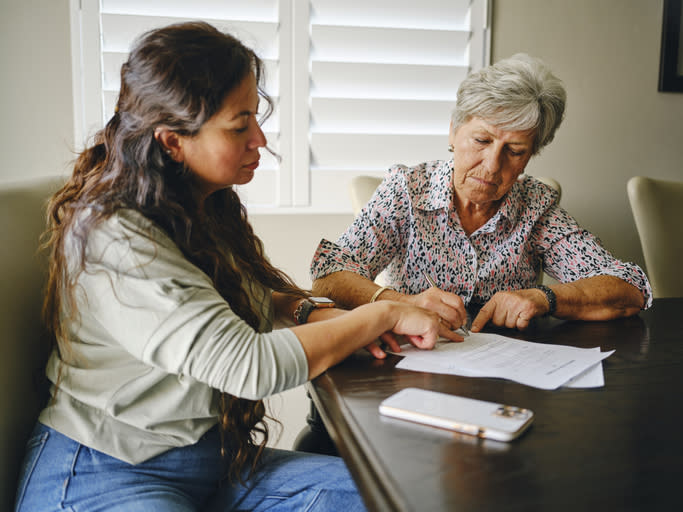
<point x="302" y="311"/>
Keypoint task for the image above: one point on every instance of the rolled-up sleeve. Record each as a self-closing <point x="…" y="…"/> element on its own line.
<point x="330" y="257"/>
<point x="571" y="253"/>
<point x="140" y="293"/>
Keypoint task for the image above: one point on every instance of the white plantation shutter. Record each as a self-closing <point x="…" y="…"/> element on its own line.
<point x="384" y="76"/>
<point x="359" y="84"/>
<point x="111" y="26"/>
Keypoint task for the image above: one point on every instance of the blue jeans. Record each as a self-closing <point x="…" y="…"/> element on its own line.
<point x="59" y="473"/>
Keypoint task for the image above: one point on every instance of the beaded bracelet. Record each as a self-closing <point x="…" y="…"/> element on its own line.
<point x="550" y="295"/>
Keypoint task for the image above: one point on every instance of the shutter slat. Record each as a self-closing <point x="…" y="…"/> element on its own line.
<point x="429" y="14"/>
<point x="341" y="79"/>
<point x="372" y="151"/>
<point x="389" y="46"/>
<point x="207" y="9"/>
<point x="343" y="115"/>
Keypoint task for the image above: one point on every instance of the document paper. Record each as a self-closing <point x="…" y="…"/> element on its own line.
<point x="539" y="365"/>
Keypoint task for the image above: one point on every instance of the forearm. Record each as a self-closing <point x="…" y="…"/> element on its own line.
<point x="350" y="290"/>
<point x="328" y="342"/>
<point x="597" y="298"/>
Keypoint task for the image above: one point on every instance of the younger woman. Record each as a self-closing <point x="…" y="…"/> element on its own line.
<point x="162" y="301"/>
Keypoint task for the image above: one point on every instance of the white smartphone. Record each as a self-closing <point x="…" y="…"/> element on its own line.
<point x="476" y="417"/>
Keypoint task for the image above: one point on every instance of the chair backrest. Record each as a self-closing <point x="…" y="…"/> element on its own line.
<point x="657" y="207"/>
<point x="24" y="344"/>
<point x="552" y="183"/>
<point x="362" y="188"/>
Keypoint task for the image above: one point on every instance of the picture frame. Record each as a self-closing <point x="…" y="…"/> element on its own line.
<point x="671" y="54"/>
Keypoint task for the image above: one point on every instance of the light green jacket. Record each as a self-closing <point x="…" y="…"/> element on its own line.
<point x="153" y="343"/>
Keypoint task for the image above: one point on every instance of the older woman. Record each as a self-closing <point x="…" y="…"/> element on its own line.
<point x="477" y="226"/>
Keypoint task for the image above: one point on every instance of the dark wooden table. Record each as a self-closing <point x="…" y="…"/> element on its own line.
<point x="619" y="447"/>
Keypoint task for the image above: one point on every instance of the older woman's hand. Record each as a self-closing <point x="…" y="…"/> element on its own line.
<point x="512" y="309"/>
<point x="449" y="306"/>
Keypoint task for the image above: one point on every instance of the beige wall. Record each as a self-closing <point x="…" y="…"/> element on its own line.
<point x="36" y="132"/>
<point x="606" y="51"/>
<point x="617" y="125"/>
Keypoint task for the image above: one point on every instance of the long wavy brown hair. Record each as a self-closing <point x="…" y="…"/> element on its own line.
<point x="176" y="77"/>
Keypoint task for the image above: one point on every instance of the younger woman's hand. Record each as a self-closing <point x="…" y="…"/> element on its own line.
<point x="421" y="327"/>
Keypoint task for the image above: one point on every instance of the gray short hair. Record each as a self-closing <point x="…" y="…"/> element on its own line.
<point x="518" y="93"/>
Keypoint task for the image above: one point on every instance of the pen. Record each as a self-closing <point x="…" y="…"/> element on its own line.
<point x="432" y="283"/>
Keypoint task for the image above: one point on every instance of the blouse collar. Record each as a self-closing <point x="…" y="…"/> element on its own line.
<point x="436" y="192"/>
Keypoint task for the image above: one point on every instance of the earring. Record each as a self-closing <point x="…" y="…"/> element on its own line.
<point x="167" y="151"/>
<point x="450" y="148"/>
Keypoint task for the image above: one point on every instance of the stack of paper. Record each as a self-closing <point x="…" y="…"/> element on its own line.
<point x="492" y="355"/>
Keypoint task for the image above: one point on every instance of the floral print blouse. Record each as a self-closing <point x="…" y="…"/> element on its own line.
<point x="410" y="226"/>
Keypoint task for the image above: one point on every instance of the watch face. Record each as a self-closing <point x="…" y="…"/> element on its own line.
<point x="322" y="302"/>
